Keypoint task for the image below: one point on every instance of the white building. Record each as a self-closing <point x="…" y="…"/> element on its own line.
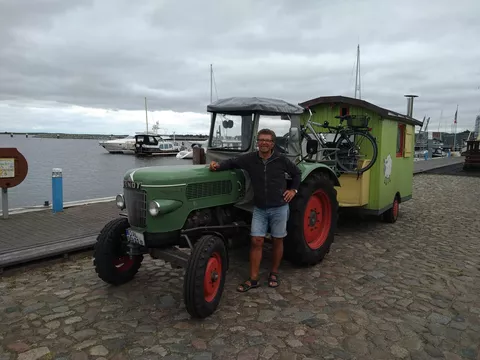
<point x="477" y="127"/>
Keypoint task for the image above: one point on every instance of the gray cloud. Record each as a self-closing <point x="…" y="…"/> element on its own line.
<point x="109" y="54"/>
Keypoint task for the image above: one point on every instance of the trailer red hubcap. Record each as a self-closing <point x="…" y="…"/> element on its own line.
<point x="395" y="208"/>
<point x="213" y="275"/>
<point x="123" y="263"/>
<point x="317" y="219"/>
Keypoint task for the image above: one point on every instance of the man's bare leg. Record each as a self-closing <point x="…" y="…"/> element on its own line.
<point x="276" y="257"/>
<point x="256" y="256"/>
<point x="256" y="249"/>
<point x="277" y="253"/>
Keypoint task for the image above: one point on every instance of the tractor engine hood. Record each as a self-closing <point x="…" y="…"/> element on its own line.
<point x="172" y="175"/>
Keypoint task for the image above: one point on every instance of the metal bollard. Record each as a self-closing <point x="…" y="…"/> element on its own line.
<point x="57" y="190"/>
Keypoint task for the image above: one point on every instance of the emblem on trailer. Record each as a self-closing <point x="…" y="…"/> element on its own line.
<point x="131" y="184"/>
<point x="387" y="169"/>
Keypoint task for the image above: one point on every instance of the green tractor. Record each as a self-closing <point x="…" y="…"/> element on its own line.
<point x="190" y="216"/>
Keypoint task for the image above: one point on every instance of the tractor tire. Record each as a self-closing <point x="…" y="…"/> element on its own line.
<point x="110" y="258"/>
<point x="391" y="215"/>
<point x="205" y="276"/>
<point x="313" y="221"/>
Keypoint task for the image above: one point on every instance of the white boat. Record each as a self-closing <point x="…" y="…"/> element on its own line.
<point x="154" y="142"/>
<point x="149" y="144"/>
<point x="185" y="154"/>
<point x="188" y="153"/>
<point x="124" y="145"/>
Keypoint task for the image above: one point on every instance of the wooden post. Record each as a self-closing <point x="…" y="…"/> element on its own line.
<point x="5" y="202"/>
<point x="199" y="156"/>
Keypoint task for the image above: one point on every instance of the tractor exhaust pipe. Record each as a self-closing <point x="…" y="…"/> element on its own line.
<point x="410" y="104"/>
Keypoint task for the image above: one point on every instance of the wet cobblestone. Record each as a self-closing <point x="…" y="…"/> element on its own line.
<point x="409" y="290"/>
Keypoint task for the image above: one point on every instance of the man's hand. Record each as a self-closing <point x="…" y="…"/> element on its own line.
<point x="213" y="166"/>
<point x="288" y="195"/>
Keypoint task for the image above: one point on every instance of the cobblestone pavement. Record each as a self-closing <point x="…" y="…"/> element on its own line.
<point x="409" y="290"/>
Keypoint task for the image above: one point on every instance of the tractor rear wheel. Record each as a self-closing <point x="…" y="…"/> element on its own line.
<point x="110" y="258"/>
<point x="313" y="221"/>
<point x="391" y="215"/>
<point x="205" y="276"/>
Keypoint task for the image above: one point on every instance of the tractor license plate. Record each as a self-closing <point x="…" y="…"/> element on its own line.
<point x="135" y="237"/>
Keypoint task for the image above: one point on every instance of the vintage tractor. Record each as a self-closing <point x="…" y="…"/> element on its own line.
<point x="189" y="215"/>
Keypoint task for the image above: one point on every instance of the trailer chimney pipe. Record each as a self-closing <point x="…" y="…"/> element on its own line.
<point x="410" y="104"/>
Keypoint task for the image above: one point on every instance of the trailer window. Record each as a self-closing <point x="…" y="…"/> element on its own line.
<point x="344" y="111"/>
<point x="400" y="140"/>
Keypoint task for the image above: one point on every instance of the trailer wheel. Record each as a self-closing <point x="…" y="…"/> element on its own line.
<point x="391" y="215"/>
<point x="205" y="276"/>
<point x="110" y="258"/>
<point x="313" y="221"/>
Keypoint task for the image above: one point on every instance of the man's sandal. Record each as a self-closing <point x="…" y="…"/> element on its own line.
<point x="247" y="285"/>
<point x="273" y="278"/>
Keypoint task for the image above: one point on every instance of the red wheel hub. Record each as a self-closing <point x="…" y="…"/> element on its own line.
<point x="123" y="263"/>
<point x="317" y="219"/>
<point x="395" y="208"/>
<point x="213" y="276"/>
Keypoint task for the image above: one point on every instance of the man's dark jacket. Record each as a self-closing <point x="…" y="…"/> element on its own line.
<point x="268" y="179"/>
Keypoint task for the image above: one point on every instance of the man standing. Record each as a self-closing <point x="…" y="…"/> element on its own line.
<point x="266" y="169"/>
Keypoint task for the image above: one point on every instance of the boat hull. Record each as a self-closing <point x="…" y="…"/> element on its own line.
<point x="119" y="146"/>
<point x="185" y="154"/>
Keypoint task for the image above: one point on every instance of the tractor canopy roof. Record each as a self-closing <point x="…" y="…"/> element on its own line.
<point x="265" y="106"/>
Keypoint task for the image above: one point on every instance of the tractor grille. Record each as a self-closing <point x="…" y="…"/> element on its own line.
<point x="200" y="190"/>
<point x="136" y="203"/>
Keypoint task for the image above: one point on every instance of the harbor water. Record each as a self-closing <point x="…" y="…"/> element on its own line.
<point x="89" y="171"/>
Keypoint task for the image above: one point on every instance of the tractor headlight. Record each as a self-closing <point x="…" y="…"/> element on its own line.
<point x="120" y="201"/>
<point x="153" y="208"/>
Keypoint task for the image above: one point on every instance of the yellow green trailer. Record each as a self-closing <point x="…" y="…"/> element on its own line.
<point x="388" y="181"/>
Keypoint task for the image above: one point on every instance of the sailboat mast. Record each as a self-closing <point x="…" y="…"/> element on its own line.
<point x="146" y="113"/>
<point x="440" y="120"/>
<point x="455" y="129"/>
<point x="211" y="83"/>
<point x="358" y="85"/>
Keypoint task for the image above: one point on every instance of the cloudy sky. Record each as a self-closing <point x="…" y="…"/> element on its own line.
<point x="85" y="66"/>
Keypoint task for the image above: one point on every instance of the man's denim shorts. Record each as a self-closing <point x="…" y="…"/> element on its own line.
<point x="273" y="219"/>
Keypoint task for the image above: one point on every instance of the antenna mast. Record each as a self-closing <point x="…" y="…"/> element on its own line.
<point x="358" y="85"/>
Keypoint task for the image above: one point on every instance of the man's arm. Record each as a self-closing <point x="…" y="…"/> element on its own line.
<point x="294" y="171"/>
<point x="228" y="164"/>
<point x="233" y="163"/>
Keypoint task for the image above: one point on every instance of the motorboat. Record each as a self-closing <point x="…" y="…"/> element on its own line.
<point x="188" y="153"/>
<point x="185" y="154"/>
<point x="149" y="143"/>
<point x="154" y="144"/>
<point x="124" y="145"/>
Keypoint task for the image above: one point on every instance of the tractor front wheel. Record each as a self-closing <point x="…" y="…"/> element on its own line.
<point x="205" y="276"/>
<point x="110" y="258"/>
<point x="313" y="220"/>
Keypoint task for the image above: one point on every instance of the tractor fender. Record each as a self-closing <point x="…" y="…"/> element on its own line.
<point x="311" y="168"/>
